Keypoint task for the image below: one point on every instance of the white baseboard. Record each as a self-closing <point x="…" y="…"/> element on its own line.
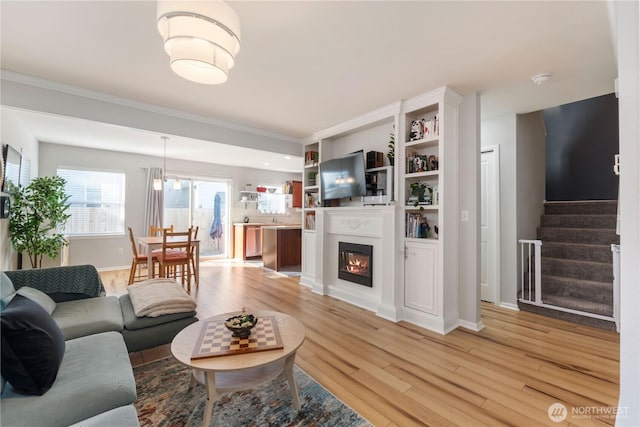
<point x="509" y="306"/>
<point x="473" y="326"/>
<point x="122" y="267"/>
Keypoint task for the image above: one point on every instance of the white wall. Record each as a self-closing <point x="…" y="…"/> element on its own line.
<point x="502" y="131"/>
<point x="530" y="181"/>
<point x="469" y="200"/>
<point x="17" y="136"/>
<point x="104" y="252"/>
<point x="627" y="33"/>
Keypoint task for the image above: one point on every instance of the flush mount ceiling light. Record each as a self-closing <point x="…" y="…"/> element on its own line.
<point x="540" y="78"/>
<point x="201" y="38"/>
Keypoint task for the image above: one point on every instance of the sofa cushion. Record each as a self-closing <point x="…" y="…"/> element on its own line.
<point x="95" y="377"/>
<point x="39" y="297"/>
<point x="124" y="416"/>
<point x="132" y="322"/>
<point x="32" y="346"/>
<point x="6" y="289"/>
<point x="88" y="316"/>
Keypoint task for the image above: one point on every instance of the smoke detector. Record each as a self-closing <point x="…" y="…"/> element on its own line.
<point x="540" y="78"/>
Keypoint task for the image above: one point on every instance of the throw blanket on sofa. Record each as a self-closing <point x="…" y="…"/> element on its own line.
<point x="155" y="297"/>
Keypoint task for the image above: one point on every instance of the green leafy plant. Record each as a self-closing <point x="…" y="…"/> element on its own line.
<point x="418" y="190"/>
<point x="391" y="154"/>
<point x="38" y="212"/>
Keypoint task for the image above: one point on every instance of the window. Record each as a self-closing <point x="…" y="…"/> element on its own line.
<point x="96" y="202"/>
<point x="272" y="202"/>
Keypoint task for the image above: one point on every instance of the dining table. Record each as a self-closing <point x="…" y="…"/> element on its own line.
<point x="155" y="242"/>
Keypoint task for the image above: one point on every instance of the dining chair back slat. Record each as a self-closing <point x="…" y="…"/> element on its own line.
<point x="176" y="252"/>
<point x="158" y="231"/>
<point x="138" y="260"/>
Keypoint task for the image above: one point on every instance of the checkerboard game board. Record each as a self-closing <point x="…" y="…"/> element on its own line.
<point x="216" y="340"/>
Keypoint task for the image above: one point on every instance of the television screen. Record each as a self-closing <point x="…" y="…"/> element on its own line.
<point x="343" y="177"/>
<point x="11" y="159"/>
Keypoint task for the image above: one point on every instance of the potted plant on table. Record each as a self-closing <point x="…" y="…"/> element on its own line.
<point x="418" y="192"/>
<point x="39" y="212"/>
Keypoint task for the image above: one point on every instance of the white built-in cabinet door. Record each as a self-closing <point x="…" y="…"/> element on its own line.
<point x="308" y="254"/>
<point x="421" y="276"/>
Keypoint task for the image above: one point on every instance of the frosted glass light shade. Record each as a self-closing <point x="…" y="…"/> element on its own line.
<point x="201" y="38"/>
<point x="157" y="184"/>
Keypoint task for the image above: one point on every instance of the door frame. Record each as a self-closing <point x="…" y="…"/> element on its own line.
<point x="496" y="151"/>
<point x="228" y="181"/>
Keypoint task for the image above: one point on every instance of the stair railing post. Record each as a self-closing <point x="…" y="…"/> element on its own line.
<point x="615" y="249"/>
<point x="538" y="266"/>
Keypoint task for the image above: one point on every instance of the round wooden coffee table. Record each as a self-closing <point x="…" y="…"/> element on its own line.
<point x="234" y="372"/>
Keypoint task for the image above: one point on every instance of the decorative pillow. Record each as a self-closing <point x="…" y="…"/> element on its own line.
<point x="32" y="347"/>
<point x="39" y="297"/>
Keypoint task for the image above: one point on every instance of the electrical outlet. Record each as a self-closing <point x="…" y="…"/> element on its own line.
<point x="120" y="251"/>
<point x="464" y="216"/>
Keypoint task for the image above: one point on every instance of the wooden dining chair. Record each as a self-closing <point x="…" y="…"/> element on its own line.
<point x="176" y="256"/>
<point x="139" y="260"/>
<point x="194" y="271"/>
<point x="157" y="231"/>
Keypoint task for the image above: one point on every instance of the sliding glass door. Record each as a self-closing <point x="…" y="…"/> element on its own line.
<point x="203" y="204"/>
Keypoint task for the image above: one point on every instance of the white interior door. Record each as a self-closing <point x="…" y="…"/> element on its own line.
<point x="489" y="225"/>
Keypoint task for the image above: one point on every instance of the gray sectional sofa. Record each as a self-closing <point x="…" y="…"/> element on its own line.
<point x="94" y="385"/>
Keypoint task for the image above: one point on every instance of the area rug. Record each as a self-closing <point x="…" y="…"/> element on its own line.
<point x="164" y="400"/>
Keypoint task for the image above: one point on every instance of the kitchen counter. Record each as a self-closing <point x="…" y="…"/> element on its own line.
<point x="266" y="224"/>
<point x="284" y="227"/>
<point x="247" y="241"/>
<point x="282" y="247"/>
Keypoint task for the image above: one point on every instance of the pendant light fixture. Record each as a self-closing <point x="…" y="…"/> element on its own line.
<point x="157" y="182"/>
<point x="201" y="38"/>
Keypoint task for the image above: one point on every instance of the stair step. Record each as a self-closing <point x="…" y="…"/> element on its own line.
<point x="596" y="253"/>
<point x="597" y="207"/>
<point x="582" y="270"/>
<point x="570" y="317"/>
<point x="579" y="304"/>
<point x="592" y="236"/>
<point x="587" y="290"/>
<point x="579" y="221"/>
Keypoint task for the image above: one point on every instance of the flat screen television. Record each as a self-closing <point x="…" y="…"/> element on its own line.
<point x="343" y="177"/>
<point x="11" y="159"/>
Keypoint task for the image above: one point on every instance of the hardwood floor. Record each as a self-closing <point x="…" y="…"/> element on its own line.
<point x="403" y="375"/>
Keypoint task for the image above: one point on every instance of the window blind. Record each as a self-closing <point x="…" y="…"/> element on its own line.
<point x="96" y="202"/>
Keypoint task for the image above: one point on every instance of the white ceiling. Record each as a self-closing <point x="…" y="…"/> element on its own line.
<point x="304" y="66"/>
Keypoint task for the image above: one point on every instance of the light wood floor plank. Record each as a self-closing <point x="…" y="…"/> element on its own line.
<point x="399" y="374"/>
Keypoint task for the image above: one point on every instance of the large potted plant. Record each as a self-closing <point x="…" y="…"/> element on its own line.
<point x="38" y="212"/>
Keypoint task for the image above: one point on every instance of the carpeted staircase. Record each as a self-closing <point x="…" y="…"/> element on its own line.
<point x="577" y="266"/>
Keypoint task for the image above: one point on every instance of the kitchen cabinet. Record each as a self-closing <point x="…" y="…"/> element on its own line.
<point x="297" y="194"/>
<point x="282" y="247"/>
<point x="247" y="241"/>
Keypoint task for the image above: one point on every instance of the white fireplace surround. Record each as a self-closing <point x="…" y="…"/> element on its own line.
<point x="363" y="225"/>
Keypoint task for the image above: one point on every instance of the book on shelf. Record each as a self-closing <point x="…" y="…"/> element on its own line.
<point x="311" y="158"/>
<point x="311" y="200"/>
<point x="416" y="226"/>
<point x="310" y="221"/>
